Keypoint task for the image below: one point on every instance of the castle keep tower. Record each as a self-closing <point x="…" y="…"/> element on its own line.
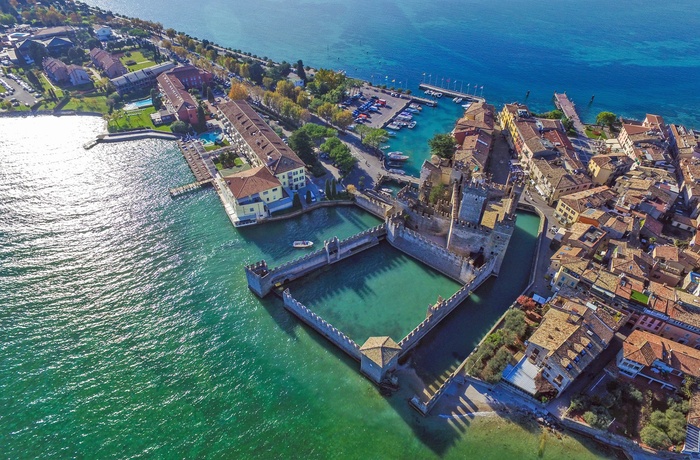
<point x="473" y="201"/>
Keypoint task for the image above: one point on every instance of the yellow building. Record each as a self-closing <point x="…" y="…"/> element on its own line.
<point x="253" y="191"/>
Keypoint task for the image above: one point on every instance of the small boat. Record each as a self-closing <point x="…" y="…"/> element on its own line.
<point x="412" y="125"/>
<point x="395" y="126"/>
<point x="385" y="147"/>
<point x="412" y="110"/>
<point x="387" y="190"/>
<point x="391" y="133"/>
<point x="466" y="106"/>
<point x="416" y="106"/>
<point x="458" y="100"/>
<point x="397" y="156"/>
<point x="400" y="172"/>
<point x="303" y="244"/>
<point x="438" y="95"/>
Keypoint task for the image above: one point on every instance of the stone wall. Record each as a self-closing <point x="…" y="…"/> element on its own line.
<point x="441" y="309"/>
<point x="373" y="205"/>
<point x="262" y="279"/>
<point x="412" y="243"/>
<point x="321" y="326"/>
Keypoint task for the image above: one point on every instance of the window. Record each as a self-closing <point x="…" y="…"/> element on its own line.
<point x="569" y="367"/>
<point x="590" y="345"/>
<point x="577" y="359"/>
<point x="583" y="352"/>
<point x="265" y="192"/>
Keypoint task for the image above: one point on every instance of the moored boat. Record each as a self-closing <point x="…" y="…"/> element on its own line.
<point x="397" y="156"/>
<point x="412" y="125"/>
<point x="303" y="244"/>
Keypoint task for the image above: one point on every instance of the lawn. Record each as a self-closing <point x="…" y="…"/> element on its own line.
<point x="2" y="89"/>
<point x="140" y="61"/>
<point x="134" y="119"/>
<point x="88" y="104"/>
<point x="47" y="85"/>
<point x="595" y="133"/>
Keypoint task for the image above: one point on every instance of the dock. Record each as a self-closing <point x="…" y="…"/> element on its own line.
<point x="451" y="93"/>
<point x="177" y="191"/>
<point x="563" y="103"/>
<point x="193" y="151"/>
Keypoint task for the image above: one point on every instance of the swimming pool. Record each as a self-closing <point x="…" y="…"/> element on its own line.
<point x="138" y="104"/>
<point x="210" y="137"/>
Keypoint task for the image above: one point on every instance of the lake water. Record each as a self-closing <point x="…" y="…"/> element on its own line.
<point x="635" y="57"/>
<point x="128" y="329"/>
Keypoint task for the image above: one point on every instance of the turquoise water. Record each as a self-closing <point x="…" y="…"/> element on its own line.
<point x="128" y="330"/>
<point x="635" y="57"/>
<point x="366" y="295"/>
<point x="210" y="137"/>
<point x="138" y="104"/>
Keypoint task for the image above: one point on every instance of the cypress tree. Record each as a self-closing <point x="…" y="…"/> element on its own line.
<point x="328" y="189"/>
<point x="334" y="188"/>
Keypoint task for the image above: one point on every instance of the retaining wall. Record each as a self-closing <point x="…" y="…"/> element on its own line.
<point x="321" y="326"/>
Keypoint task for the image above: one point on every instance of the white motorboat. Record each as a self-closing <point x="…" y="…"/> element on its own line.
<point x="302" y="244"/>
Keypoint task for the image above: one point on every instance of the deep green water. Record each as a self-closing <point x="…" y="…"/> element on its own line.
<point x="128" y="331"/>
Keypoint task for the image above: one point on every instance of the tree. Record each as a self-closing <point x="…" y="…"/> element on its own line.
<point x="515" y="321"/>
<point x="374" y="137"/>
<point x="155" y="99"/>
<point x="170" y="33"/>
<point x="301" y="73"/>
<point x="308" y="197"/>
<point x="302" y="144"/>
<point x="326" y="110"/>
<point x="654" y="437"/>
<point x="443" y="145"/>
<point x="334" y="188"/>
<point x="606" y="118"/>
<point x="342" y="119"/>
<point x="328" y="189"/>
<point x="180" y="127"/>
<point x="296" y="201"/>
<point x="238" y="92"/>
<point x="201" y="119"/>
<point x="256" y="73"/>
<point x="210" y="95"/>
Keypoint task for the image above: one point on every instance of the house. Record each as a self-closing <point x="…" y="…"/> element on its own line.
<point x="140" y="80"/>
<point x="176" y="98"/>
<point x="78" y="76"/>
<point x="111" y="66"/>
<point x="103" y="33"/>
<point x="564" y="254"/>
<point x="651" y="131"/>
<point x="569" y="273"/>
<point x="261" y="145"/>
<point x="685" y="143"/>
<point x="252" y="192"/>
<point x="56" y="70"/>
<point x="668" y="268"/>
<point x="656" y="359"/>
<point x="585" y="236"/>
<point x="553" y="181"/>
<point x="572" y="334"/>
<point x="605" y="168"/>
<point x="570" y="206"/>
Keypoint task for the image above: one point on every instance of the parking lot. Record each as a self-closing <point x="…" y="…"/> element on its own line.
<point x="378" y="119"/>
<point x="18" y="89"/>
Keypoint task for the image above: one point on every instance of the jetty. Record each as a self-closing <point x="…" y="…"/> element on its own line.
<point x="192" y="151"/>
<point x="563" y="103"/>
<point x="177" y="191"/>
<point x="451" y="93"/>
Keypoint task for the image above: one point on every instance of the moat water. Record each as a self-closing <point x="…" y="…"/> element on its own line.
<point x="128" y="330"/>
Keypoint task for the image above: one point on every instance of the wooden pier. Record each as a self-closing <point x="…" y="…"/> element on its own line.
<point x="177" y="191"/>
<point x="452" y="93"/>
<point x="192" y="151"/>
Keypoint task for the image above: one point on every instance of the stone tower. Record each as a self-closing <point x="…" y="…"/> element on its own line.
<point x="474" y="199"/>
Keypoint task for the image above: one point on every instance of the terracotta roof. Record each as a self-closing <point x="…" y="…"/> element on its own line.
<point x="645" y="348"/>
<point x="252" y="181"/>
<point x="591" y="198"/>
<point x="263" y="141"/>
<point x="380" y="350"/>
<point x="666" y="252"/>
